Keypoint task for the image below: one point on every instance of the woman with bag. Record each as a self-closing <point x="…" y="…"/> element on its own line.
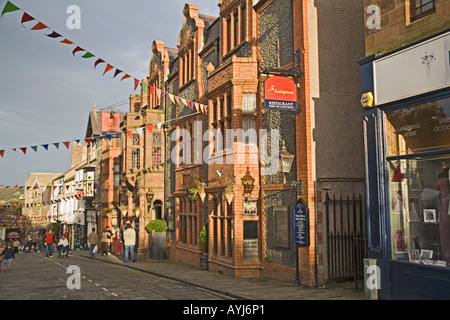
<point x="93" y="240"/>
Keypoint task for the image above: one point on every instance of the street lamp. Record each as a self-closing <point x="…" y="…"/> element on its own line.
<point x="248" y="182"/>
<point x="286" y="161"/>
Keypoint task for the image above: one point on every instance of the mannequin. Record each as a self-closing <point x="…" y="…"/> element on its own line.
<point x="443" y="186"/>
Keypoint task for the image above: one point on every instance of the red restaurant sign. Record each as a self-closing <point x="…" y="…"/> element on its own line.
<point x="110" y="122"/>
<point x="280" y="93"/>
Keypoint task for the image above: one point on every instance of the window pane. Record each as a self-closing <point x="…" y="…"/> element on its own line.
<point x="421" y="128"/>
<point x="419" y="196"/>
<point x="248" y="102"/>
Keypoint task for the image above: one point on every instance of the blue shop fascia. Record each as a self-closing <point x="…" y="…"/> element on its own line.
<point x="406" y="101"/>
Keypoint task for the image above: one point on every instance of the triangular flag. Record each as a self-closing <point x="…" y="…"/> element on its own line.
<point x="159" y="125"/>
<point x="54" y="35"/>
<point x="34" y="148"/>
<point x="56" y="144"/>
<point x="201" y="108"/>
<point x="144" y="86"/>
<point x="196" y="106"/>
<point x="171" y="97"/>
<point x="87" y="55"/>
<point x="2" y="153"/>
<point x="150" y="128"/>
<point x="117" y="72"/>
<point x="25" y="18"/>
<point x="76" y="50"/>
<point x="97" y="62"/>
<point x="125" y="77"/>
<point x="177" y="99"/>
<point x="164" y="94"/>
<point x="158" y="92"/>
<point x="88" y="140"/>
<point x="139" y="131"/>
<point x="39" y="26"/>
<point x="130" y="133"/>
<point x="152" y="88"/>
<point x="136" y="83"/>
<point x="66" y="41"/>
<point x="184" y="101"/>
<point x="9" y="7"/>
<point x="24" y="150"/>
<point x="108" y="68"/>
<point x="45" y="146"/>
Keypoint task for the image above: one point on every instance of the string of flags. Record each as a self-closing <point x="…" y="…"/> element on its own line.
<point x="27" y="19"/>
<point x="58" y="144"/>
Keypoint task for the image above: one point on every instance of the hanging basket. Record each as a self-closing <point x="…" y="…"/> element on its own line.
<point x="229" y="193"/>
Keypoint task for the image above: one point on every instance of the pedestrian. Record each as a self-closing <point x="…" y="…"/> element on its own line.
<point x="8" y="255"/>
<point x="16" y="245"/>
<point x="129" y="237"/>
<point x="106" y="241"/>
<point x="2" y="248"/>
<point x="63" y="244"/>
<point x="118" y="241"/>
<point x="49" y="239"/>
<point x="35" y="244"/>
<point x="93" y="239"/>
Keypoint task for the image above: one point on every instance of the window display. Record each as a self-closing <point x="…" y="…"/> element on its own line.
<point x="418" y="151"/>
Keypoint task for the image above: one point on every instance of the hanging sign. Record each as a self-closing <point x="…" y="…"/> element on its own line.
<point x="301" y="224"/>
<point x="280" y="93"/>
<point x="110" y="122"/>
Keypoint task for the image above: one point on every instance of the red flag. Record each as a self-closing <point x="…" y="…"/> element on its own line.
<point x="24" y="150"/>
<point x="25" y="18"/>
<point x="67" y="143"/>
<point x="76" y="50"/>
<point x="130" y="133"/>
<point x="150" y="128"/>
<point x="88" y="140"/>
<point x="136" y="83"/>
<point x="125" y="77"/>
<point x="108" y="68"/>
<point x="2" y="152"/>
<point x="97" y="62"/>
<point x="39" y="26"/>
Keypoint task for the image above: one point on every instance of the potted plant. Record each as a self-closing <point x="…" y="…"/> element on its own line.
<point x="204" y="247"/>
<point x="157" y="230"/>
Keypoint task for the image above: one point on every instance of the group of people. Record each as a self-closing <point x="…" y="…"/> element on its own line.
<point x="127" y="235"/>
<point x="63" y="244"/>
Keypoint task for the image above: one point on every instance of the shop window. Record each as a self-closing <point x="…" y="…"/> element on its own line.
<point x="418" y="147"/>
<point x="422" y="8"/>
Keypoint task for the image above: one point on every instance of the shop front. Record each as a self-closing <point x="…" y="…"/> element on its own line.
<point x="407" y="148"/>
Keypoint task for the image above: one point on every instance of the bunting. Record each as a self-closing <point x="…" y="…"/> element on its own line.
<point x="38" y="25"/>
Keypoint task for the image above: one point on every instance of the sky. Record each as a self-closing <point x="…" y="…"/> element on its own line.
<point x="46" y="93"/>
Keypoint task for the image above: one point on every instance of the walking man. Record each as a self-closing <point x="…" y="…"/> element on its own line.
<point x="129" y="239"/>
<point x="49" y="244"/>
<point x="93" y="240"/>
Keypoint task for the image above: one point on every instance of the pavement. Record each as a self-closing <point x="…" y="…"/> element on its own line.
<point x="234" y="288"/>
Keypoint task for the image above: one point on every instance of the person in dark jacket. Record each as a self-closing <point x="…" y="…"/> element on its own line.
<point x="8" y="255"/>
